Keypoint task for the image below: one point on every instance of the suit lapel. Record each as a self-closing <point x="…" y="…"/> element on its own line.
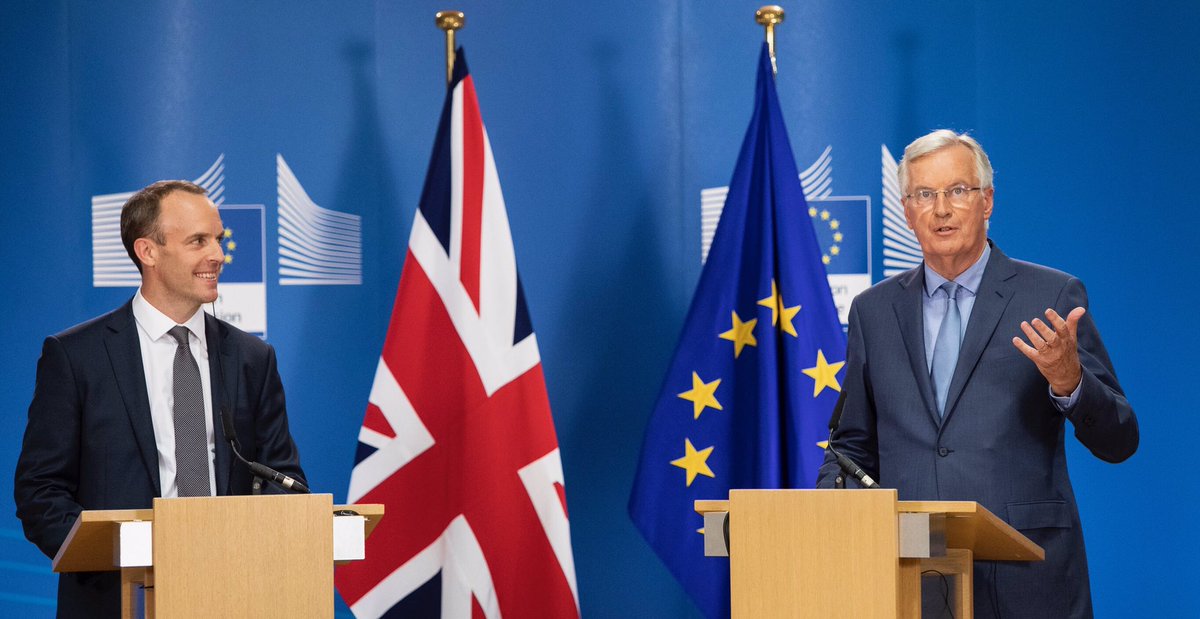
<point x="908" y="313"/>
<point x="222" y="366"/>
<point x="995" y="292"/>
<point x="125" y="355"/>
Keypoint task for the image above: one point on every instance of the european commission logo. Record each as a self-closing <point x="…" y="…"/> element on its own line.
<point x="843" y="227"/>
<point x="317" y="246"/>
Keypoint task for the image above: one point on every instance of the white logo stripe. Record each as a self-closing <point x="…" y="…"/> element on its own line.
<point x="318" y="226"/>
<point x="317" y="246"/>
<point x="901" y="251"/>
<point x="817" y="181"/>
<point x="111" y="266"/>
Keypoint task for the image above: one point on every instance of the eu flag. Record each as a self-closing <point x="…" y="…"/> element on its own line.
<point x="755" y="375"/>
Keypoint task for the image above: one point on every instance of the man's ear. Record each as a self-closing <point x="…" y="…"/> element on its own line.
<point x="146" y="251"/>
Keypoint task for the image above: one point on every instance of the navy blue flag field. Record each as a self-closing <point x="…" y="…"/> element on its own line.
<point x="755" y="376"/>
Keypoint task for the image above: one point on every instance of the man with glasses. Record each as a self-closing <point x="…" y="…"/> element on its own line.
<point x="962" y="374"/>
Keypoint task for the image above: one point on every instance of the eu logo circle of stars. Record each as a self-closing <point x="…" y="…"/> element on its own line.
<point x="703" y="394"/>
<point x="835" y="227"/>
<point x="228" y="245"/>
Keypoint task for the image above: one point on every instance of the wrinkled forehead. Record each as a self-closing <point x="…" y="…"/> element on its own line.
<point x="954" y="163"/>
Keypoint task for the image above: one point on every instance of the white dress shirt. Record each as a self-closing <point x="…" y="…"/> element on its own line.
<point x="158" y="362"/>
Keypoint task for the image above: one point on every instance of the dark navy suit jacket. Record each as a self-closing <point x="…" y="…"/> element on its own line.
<point x="1001" y="440"/>
<point x="89" y="442"/>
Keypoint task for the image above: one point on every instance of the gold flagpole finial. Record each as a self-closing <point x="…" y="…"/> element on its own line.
<point x="449" y="21"/>
<point x="769" y="16"/>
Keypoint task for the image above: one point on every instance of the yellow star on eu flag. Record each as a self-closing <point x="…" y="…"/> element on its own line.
<point x="775" y="302"/>
<point x="824" y="374"/>
<point x="229" y="246"/>
<point x="694" y="462"/>
<point x="742" y="334"/>
<point x="702" y="395"/>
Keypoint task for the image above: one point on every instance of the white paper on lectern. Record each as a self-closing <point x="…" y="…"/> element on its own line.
<point x="349" y="542"/>
<point x="133" y="544"/>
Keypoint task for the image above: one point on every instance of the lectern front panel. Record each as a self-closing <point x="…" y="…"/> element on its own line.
<point x="795" y="553"/>
<point x="252" y="556"/>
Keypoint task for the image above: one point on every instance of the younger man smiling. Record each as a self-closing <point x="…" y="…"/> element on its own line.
<point x="126" y="405"/>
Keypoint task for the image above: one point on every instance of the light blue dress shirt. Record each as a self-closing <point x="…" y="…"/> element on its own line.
<point x="933" y="310"/>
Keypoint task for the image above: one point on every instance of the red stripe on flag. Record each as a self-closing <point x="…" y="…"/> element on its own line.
<point x="472" y="191"/>
<point x="562" y="495"/>
<point x="374" y="420"/>
<point x="479" y="444"/>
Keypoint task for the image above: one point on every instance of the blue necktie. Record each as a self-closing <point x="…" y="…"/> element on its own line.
<point x="945" y="349"/>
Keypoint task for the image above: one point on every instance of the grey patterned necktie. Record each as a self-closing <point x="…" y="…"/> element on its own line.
<point x="191" y="437"/>
<point x="945" y="349"/>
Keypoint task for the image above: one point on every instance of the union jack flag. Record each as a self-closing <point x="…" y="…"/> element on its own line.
<point x="458" y="441"/>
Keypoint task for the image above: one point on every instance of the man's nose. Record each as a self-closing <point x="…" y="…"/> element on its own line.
<point x="217" y="252"/>
<point x="941" y="203"/>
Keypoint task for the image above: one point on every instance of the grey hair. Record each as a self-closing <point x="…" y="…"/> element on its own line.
<point x="937" y="140"/>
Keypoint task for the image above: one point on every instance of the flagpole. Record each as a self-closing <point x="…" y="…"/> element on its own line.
<point x="768" y="16"/>
<point x="450" y="21"/>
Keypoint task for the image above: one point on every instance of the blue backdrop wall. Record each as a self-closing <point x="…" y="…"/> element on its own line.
<point x="607" y="119"/>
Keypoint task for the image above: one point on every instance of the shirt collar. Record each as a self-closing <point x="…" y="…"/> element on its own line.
<point x="156" y="324"/>
<point x="969" y="279"/>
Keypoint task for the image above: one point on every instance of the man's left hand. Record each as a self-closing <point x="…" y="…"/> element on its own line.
<point x="1054" y="350"/>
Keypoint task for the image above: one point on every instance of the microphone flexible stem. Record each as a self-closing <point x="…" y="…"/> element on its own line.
<point x="261" y="471"/>
<point x="850" y="467"/>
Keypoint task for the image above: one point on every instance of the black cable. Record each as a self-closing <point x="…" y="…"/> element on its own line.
<point x="945" y="590"/>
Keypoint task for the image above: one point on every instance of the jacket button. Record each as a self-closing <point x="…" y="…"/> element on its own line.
<point x="1089" y="421"/>
<point x="943" y="452"/>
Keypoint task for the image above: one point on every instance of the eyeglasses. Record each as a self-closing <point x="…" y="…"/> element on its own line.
<point x="958" y="195"/>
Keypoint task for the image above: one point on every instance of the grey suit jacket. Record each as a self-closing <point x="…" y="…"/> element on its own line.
<point x="1001" y="440"/>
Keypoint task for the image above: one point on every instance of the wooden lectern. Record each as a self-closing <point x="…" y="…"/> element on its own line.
<point x="851" y="553"/>
<point x="226" y="556"/>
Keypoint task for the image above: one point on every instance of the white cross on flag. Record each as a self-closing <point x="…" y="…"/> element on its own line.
<point x="458" y="441"/>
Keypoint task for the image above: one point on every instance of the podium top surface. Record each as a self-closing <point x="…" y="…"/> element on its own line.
<point x="968" y="525"/>
<point x="89" y="545"/>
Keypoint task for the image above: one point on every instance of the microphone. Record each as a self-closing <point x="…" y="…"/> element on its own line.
<point x="261" y="471"/>
<point x="847" y="465"/>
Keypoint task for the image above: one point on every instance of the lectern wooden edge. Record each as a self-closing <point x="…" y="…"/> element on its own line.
<point x="220" y="553"/>
<point x="821" y="553"/>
